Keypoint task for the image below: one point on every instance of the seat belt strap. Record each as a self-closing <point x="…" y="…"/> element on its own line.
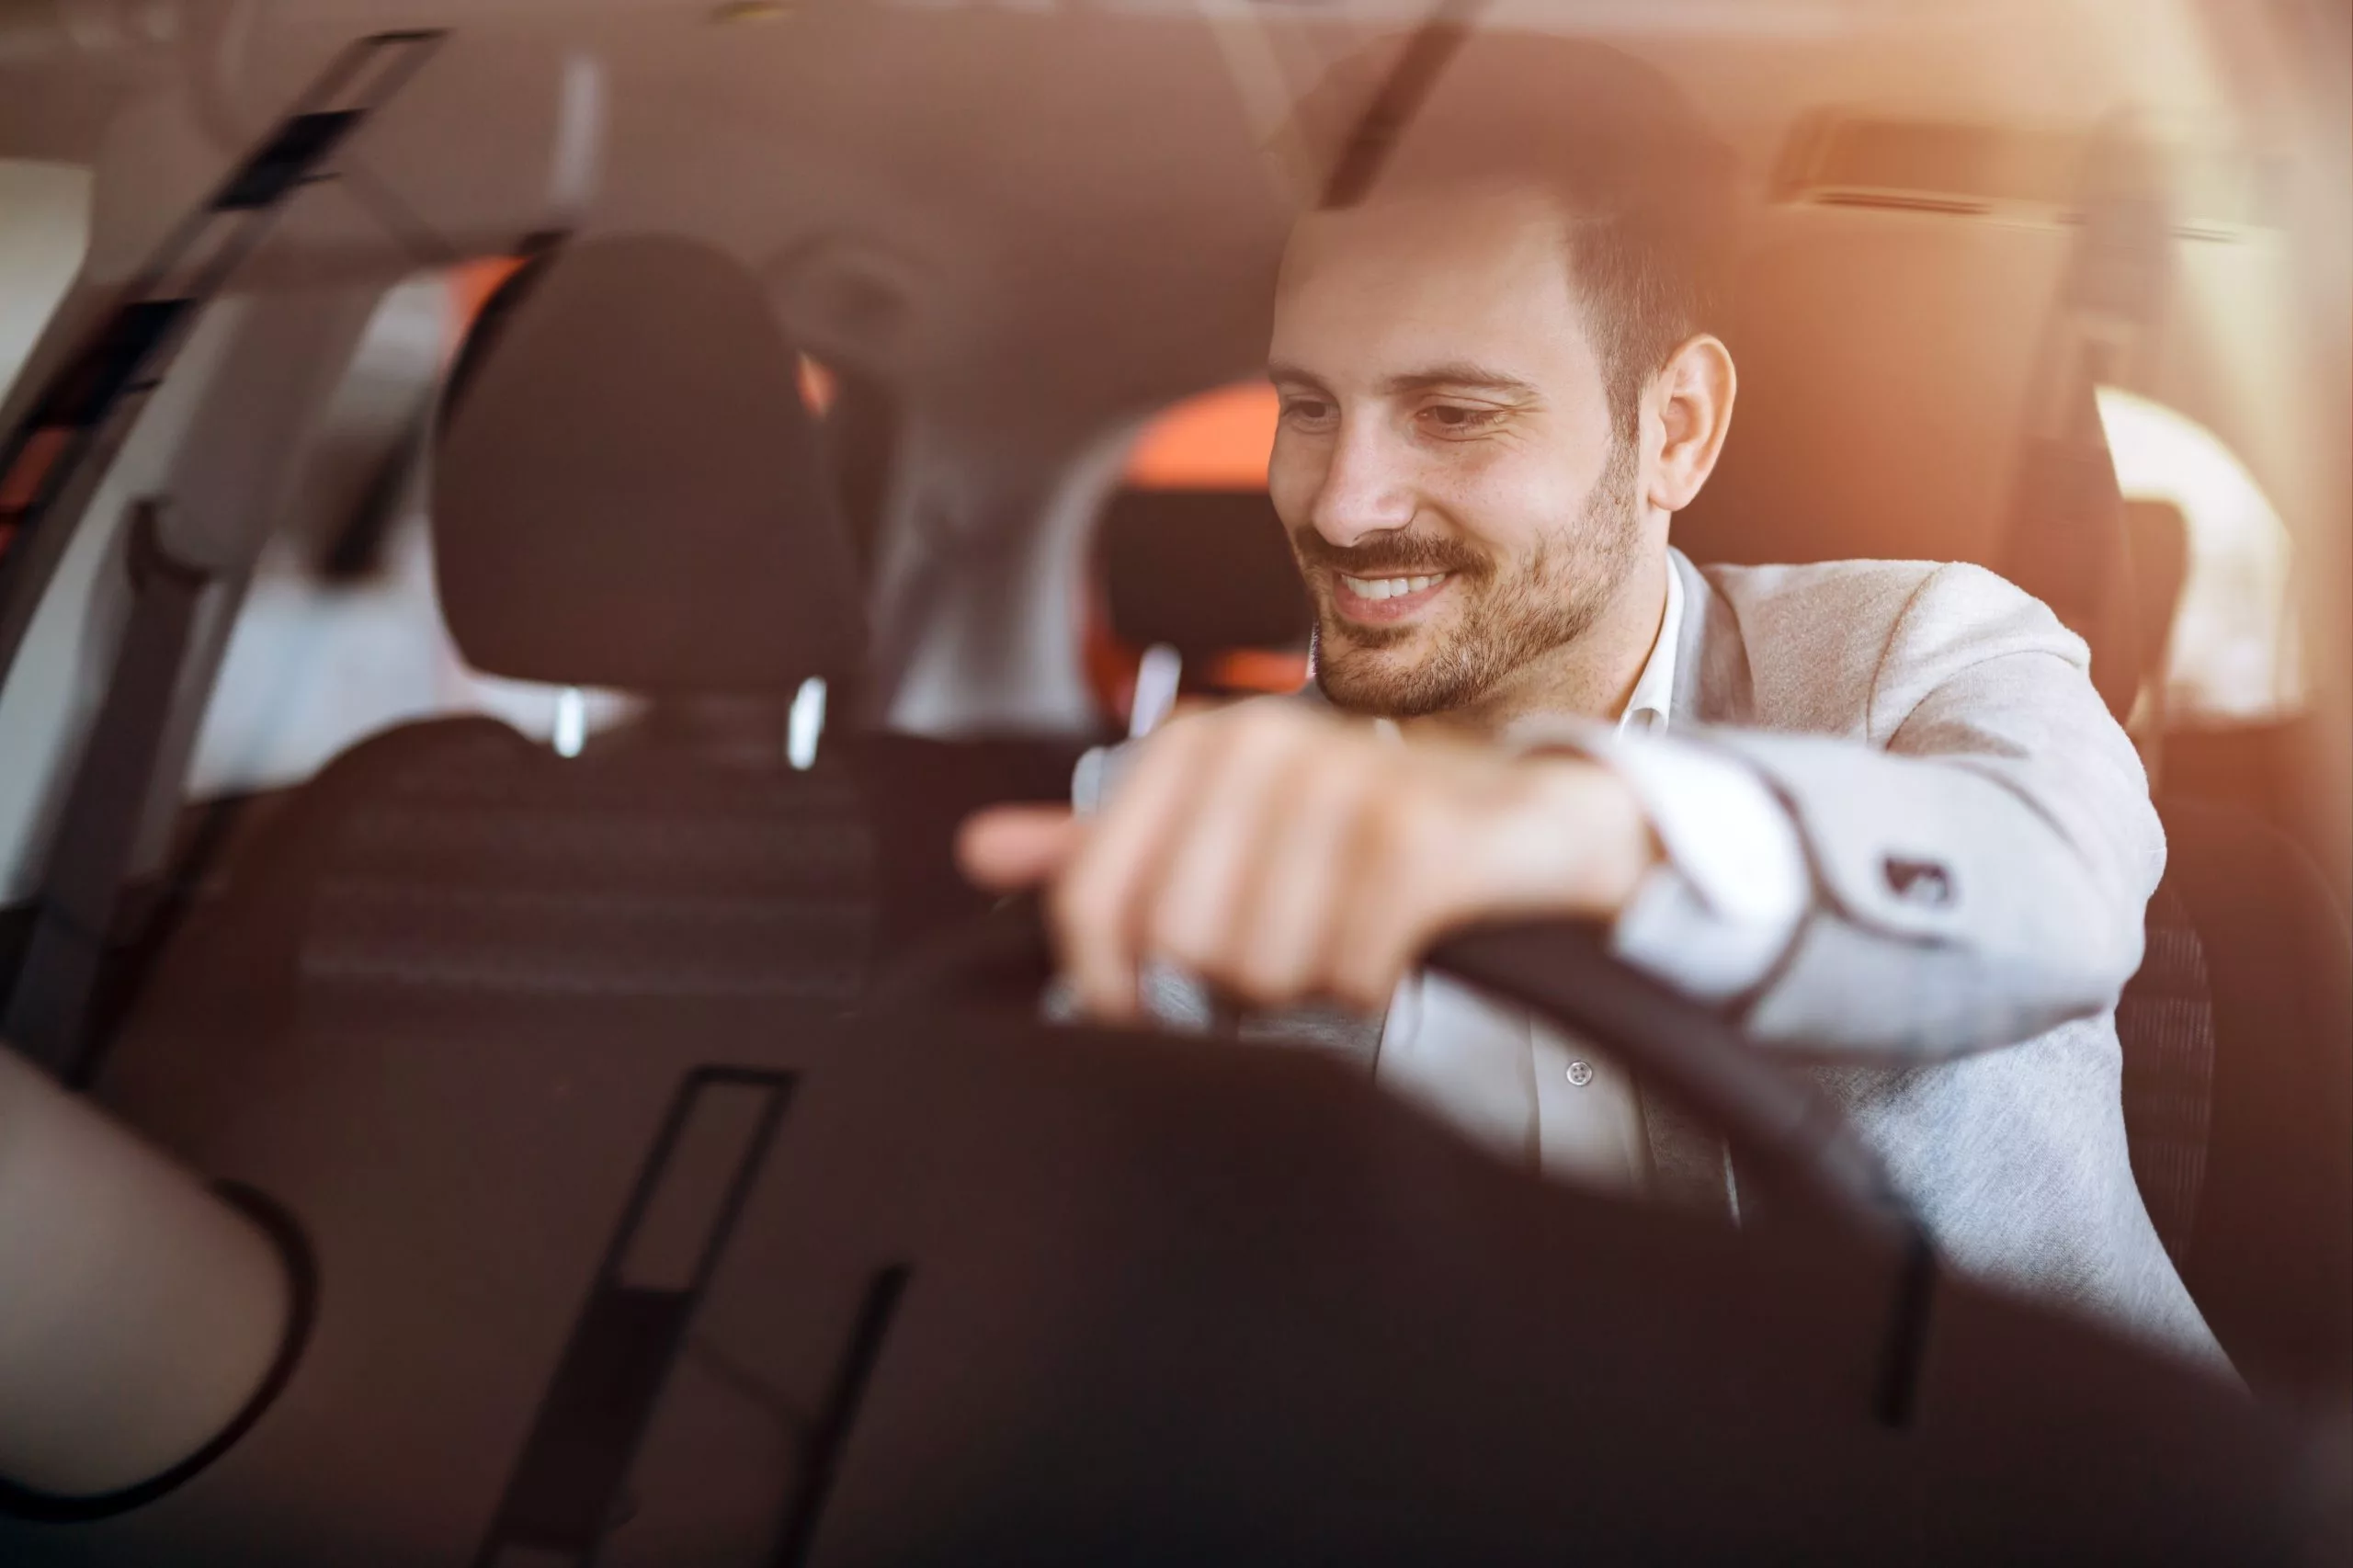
<point x="48" y="1010"/>
<point x="2066" y="540"/>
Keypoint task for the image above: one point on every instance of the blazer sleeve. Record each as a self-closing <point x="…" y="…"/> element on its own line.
<point x="1980" y="867"/>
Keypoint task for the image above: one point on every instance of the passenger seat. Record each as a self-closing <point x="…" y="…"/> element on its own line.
<point x="628" y="492"/>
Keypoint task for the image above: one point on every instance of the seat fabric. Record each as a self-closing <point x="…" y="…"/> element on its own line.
<point x="2165" y="1019"/>
<point x="2269" y="1253"/>
<point x="483" y="866"/>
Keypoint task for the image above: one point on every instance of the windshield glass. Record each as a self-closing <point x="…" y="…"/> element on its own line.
<point x="677" y="525"/>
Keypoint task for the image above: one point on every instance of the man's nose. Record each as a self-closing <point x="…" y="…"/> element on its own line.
<point x="1366" y="490"/>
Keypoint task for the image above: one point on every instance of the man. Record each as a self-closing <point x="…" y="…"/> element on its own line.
<point x="1873" y="808"/>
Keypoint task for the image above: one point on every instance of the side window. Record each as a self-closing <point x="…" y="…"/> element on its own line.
<point x="1218" y="441"/>
<point x="1194" y="585"/>
<point x="47" y="228"/>
<point x="44" y="231"/>
<point x="2216" y="569"/>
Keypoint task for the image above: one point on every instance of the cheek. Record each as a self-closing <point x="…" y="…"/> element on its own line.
<point x="1504" y="500"/>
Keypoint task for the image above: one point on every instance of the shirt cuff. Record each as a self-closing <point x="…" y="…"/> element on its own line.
<point x="1716" y="914"/>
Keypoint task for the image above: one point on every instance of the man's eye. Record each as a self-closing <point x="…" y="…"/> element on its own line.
<point x="1453" y="419"/>
<point x="1307" y="411"/>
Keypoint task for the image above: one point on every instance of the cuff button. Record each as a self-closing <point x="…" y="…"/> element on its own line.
<point x="1922" y="882"/>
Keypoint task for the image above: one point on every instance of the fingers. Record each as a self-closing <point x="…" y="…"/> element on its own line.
<point x="1287" y="931"/>
<point x="1219" y="849"/>
<point x="1401" y="887"/>
<point x="1005" y="848"/>
<point x="1098" y="906"/>
<point x="1229" y="852"/>
<point x="1283" y="855"/>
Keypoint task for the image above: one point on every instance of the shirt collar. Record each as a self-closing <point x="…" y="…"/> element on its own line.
<point x="1652" y="701"/>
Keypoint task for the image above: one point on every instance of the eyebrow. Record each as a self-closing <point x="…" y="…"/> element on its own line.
<point x="1468" y="377"/>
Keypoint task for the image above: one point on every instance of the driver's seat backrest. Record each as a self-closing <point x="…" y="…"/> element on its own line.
<point x="2238" y="1085"/>
<point x="1887" y="362"/>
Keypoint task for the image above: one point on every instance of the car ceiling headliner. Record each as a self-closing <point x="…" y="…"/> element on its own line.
<point x="1072" y="196"/>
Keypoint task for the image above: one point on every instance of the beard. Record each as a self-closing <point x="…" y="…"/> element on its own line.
<point x="1507" y="619"/>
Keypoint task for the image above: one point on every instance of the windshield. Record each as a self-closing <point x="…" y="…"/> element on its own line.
<point x="673" y="526"/>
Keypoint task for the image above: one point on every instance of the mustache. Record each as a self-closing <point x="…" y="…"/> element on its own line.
<point x="1390" y="555"/>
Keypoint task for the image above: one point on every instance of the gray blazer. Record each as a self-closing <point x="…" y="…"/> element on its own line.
<point x="1982" y="848"/>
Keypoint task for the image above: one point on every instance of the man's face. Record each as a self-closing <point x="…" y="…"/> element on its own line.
<point x="1459" y="500"/>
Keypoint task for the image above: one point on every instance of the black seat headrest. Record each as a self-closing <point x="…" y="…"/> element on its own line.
<point x="1204" y="571"/>
<point x="628" y="490"/>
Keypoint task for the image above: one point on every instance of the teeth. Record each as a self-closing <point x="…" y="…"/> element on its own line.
<point x="1389" y="587"/>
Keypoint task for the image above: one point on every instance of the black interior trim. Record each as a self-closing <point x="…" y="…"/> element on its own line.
<point x="1399" y="99"/>
<point x="16" y="923"/>
<point x="82" y="879"/>
<point x="561" y="1495"/>
<point x="822" y="1462"/>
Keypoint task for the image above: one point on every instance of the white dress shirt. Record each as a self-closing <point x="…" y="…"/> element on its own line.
<point x="1711" y="918"/>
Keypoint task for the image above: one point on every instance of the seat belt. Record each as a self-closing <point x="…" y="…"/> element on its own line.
<point x="48" y="1011"/>
<point x="2066" y="542"/>
<point x="51" y="470"/>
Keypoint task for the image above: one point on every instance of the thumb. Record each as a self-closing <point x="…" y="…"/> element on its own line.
<point x="1007" y="847"/>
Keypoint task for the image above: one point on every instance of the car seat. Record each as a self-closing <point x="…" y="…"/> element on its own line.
<point x="1194" y="589"/>
<point x="1884" y="361"/>
<point x="628" y="492"/>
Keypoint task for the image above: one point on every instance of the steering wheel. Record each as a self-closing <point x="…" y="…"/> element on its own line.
<point x="1792" y="1146"/>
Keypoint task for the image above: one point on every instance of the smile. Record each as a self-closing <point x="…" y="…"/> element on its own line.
<point x="1387" y="598"/>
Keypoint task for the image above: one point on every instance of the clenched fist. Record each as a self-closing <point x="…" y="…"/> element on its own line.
<point x="1282" y="853"/>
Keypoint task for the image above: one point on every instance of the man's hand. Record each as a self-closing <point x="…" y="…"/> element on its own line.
<point x="1283" y="854"/>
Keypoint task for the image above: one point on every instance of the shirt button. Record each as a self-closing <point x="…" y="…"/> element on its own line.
<point x="1580" y="1073"/>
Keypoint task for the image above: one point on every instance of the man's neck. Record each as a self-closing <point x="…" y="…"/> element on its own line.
<point x="1591" y="677"/>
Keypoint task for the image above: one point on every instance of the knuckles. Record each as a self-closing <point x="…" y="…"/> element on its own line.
<point x="1186" y="943"/>
<point x="1083" y="908"/>
<point x="1404" y="828"/>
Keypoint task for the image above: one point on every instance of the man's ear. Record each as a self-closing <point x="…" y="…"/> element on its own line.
<point x="1692" y="395"/>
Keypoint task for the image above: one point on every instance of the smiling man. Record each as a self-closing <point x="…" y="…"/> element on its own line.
<point x="1874" y="809"/>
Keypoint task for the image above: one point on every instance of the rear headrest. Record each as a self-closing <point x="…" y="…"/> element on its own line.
<point x="628" y="490"/>
<point x="1204" y="570"/>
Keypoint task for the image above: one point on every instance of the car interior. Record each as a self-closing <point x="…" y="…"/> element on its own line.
<point x="523" y="537"/>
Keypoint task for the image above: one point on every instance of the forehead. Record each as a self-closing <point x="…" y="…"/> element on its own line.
<point x="1479" y="275"/>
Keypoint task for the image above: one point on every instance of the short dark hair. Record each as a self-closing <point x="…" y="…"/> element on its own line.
<point x="1648" y="193"/>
